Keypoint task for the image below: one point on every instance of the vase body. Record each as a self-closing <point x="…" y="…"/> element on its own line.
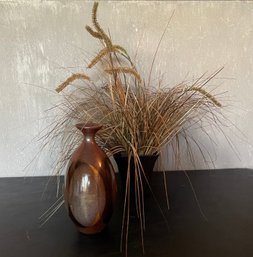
<point x="90" y="185"/>
<point x="147" y="162"/>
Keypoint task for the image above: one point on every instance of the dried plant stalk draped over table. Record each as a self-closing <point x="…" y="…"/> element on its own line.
<point x="138" y="117"/>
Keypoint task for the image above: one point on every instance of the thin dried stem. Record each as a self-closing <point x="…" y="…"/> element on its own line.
<point x="71" y="79"/>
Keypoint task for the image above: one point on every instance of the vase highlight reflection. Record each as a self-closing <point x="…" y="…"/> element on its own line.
<point x="90" y="185"/>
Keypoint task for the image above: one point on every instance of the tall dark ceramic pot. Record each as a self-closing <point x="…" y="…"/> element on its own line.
<point x="90" y="185"/>
<point x="147" y="162"/>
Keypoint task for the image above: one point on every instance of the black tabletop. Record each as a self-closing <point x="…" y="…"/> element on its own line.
<point x="225" y="196"/>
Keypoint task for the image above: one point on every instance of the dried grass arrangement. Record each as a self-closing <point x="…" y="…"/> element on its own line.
<point x="138" y="118"/>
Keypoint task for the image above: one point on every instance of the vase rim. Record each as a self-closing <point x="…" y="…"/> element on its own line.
<point x="88" y="126"/>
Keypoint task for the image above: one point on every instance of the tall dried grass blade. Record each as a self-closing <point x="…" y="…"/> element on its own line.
<point x="195" y="196"/>
<point x="158" y="46"/>
<point x="93" y="33"/>
<point x="105" y="51"/>
<point x="71" y="79"/>
<point x="125" y="70"/>
<point x="98" y="27"/>
<point x="206" y="94"/>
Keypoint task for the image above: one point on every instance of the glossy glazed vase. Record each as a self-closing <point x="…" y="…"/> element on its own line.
<point x="90" y="185"/>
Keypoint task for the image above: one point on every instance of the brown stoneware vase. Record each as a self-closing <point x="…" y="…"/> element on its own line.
<point x="90" y="185"/>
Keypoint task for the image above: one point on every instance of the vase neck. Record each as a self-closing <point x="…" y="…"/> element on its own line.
<point x="89" y="130"/>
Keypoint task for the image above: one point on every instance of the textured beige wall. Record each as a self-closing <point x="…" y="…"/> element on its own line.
<point x="42" y="42"/>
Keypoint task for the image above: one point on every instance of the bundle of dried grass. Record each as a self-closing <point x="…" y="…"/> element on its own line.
<point x="137" y="119"/>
